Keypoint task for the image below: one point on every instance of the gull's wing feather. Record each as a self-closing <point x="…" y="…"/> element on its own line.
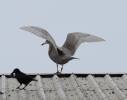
<point x="41" y="33"/>
<point x="75" y="39"/>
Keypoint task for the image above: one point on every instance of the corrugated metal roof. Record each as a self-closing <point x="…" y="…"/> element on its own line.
<point x="67" y="87"/>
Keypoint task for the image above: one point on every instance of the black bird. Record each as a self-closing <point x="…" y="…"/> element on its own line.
<point x="22" y="78"/>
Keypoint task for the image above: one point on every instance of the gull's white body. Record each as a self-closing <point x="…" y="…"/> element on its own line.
<point x="61" y="55"/>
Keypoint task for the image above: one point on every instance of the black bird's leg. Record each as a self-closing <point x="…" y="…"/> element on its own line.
<point x="19" y="86"/>
<point x="24" y="87"/>
<point x="61" y="68"/>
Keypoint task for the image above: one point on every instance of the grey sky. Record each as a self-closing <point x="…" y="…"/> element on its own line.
<point x="106" y="19"/>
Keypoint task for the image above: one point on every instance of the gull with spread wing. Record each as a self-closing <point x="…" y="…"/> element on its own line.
<point x="61" y="55"/>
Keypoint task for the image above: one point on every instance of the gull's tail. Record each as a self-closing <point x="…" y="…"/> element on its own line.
<point x="74" y="58"/>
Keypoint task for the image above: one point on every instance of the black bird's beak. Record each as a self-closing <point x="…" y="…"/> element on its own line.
<point x="11" y="75"/>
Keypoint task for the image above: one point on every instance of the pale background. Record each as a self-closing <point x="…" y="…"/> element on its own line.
<point x="103" y="18"/>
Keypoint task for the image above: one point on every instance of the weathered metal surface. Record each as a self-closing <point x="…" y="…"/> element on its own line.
<point x="115" y="88"/>
<point x="96" y="88"/>
<point x="67" y="87"/>
<point x="40" y="89"/>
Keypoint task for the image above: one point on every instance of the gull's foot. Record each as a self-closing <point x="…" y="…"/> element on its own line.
<point x="58" y="72"/>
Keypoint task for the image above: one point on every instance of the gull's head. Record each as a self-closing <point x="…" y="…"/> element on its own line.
<point x="46" y="42"/>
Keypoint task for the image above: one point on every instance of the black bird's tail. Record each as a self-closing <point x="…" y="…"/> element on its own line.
<point x="34" y="80"/>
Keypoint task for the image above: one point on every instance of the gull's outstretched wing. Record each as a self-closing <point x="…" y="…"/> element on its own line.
<point x="41" y="33"/>
<point x="75" y="39"/>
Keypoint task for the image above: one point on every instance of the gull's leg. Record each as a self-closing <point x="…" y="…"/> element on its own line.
<point x="61" y="68"/>
<point x="57" y="68"/>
